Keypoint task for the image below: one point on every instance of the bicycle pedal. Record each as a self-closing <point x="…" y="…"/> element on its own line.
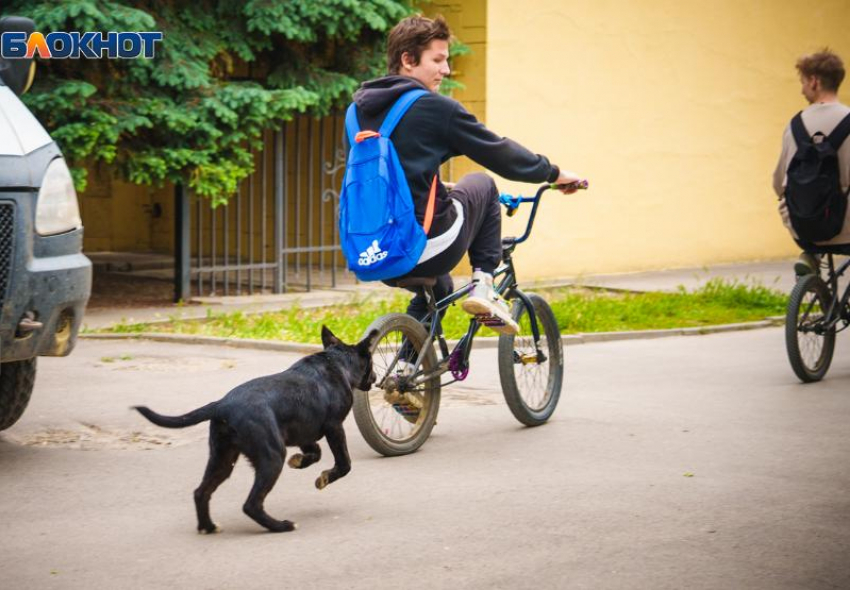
<point x="489" y="320"/>
<point x="409" y="413"/>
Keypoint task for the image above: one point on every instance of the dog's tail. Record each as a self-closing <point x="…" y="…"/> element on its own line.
<point x="206" y="412"/>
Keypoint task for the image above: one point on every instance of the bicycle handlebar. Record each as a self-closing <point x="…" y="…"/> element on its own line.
<point x="512" y="203"/>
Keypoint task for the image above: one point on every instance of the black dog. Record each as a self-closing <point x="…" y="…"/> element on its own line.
<point x="262" y="417"/>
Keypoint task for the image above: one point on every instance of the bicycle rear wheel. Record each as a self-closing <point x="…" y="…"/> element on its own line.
<point x="810" y="346"/>
<point x="532" y="384"/>
<point x="396" y="419"/>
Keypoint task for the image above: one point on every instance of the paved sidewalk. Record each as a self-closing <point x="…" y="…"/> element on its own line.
<point x="777" y="274"/>
<point x="96" y="319"/>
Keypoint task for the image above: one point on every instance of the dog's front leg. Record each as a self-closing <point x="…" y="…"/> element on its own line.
<point x="335" y="436"/>
<point x="310" y="454"/>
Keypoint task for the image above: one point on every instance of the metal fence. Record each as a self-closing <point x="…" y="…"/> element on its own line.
<point x="279" y="232"/>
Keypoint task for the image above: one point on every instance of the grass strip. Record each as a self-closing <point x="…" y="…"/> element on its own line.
<point x="577" y="310"/>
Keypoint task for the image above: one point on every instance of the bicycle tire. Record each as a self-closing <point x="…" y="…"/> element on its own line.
<point x="809" y="293"/>
<point x="514" y="372"/>
<point x="379" y="431"/>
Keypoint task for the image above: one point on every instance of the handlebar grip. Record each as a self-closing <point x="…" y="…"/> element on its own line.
<point x="578" y="185"/>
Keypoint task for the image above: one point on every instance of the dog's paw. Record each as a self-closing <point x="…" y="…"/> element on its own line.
<point x="214" y="530"/>
<point x="283" y="526"/>
<point x="323" y="480"/>
<point x="296" y="460"/>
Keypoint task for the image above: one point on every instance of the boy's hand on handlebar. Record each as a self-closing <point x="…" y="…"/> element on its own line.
<point x="569" y="182"/>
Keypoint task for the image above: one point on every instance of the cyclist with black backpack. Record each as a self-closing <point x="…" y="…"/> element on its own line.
<point x="397" y="219"/>
<point x="813" y="173"/>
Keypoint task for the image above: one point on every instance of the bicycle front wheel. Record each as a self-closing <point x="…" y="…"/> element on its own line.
<point x="532" y="383"/>
<point x="396" y="418"/>
<point x="809" y="344"/>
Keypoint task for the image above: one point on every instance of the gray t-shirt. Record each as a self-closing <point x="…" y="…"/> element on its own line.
<point x="823" y="118"/>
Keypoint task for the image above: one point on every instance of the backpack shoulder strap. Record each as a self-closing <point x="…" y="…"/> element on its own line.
<point x="801" y="136"/>
<point x="352" y="126"/>
<point x="840" y="133"/>
<point x="398" y="110"/>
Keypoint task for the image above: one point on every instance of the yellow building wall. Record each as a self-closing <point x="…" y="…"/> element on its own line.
<point x="121" y="216"/>
<point x="674" y="110"/>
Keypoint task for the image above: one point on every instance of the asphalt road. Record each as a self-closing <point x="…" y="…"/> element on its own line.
<point x="687" y="462"/>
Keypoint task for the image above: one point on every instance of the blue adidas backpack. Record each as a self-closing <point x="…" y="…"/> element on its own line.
<point x="378" y="230"/>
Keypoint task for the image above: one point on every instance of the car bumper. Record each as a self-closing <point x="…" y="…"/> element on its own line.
<point x="47" y="289"/>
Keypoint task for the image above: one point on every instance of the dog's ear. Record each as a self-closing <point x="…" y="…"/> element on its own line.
<point x="328" y="338"/>
<point x="366" y="343"/>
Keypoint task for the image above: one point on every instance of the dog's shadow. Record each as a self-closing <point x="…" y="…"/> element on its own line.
<point x="308" y="519"/>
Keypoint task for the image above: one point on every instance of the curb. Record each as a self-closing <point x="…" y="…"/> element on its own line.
<point x="479" y="343"/>
<point x="215" y="340"/>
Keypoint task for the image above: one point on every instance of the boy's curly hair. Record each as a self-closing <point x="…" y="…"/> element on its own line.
<point x="412" y="35"/>
<point x="825" y="66"/>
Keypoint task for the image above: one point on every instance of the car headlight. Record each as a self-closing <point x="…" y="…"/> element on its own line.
<point x="57" y="210"/>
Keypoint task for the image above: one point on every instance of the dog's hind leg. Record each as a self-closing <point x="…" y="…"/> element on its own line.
<point x="335" y="436"/>
<point x="312" y="453"/>
<point x="268" y="463"/>
<point x="223" y="455"/>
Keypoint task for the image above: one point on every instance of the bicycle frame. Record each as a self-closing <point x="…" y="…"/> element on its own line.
<point x="506" y="287"/>
<point x="833" y="315"/>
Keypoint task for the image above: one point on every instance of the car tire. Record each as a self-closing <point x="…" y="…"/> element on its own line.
<point x="16" y="383"/>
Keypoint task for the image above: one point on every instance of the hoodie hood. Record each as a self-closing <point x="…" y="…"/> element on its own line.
<point x="376" y="96"/>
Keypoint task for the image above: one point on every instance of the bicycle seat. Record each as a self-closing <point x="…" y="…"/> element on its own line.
<point x="412" y="282"/>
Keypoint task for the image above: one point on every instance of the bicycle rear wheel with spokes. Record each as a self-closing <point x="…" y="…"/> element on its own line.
<point x="393" y="417"/>
<point x="532" y="384"/>
<point x="809" y="344"/>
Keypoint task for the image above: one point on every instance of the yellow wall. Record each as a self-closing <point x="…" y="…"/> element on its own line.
<point x="673" y="110"/>
<point x="120" y="216"/>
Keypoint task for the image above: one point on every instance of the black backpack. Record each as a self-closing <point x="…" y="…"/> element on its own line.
<point x="816" y="203"/>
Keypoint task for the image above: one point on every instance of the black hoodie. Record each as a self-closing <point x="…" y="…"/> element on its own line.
<point x="435" y="129"/>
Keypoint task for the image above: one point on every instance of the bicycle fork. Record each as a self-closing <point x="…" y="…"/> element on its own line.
<point x="535" y="330"/>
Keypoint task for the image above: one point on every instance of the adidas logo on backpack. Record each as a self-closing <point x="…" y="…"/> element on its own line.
<point x="379" y="233"/>
<point x="372" y="255"/>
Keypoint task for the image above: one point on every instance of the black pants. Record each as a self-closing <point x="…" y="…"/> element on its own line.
<point x="480" y="236"/>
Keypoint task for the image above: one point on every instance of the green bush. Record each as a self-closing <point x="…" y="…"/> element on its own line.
<point x="224" y="72"/>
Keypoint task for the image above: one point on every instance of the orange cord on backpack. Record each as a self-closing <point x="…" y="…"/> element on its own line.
<point x="361" y="135"/>
<point x="429" y="210"/>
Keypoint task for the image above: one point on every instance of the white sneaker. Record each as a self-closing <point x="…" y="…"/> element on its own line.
<point x="486" y="305"/>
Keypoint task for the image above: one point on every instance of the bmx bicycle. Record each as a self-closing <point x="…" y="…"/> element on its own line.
<point x="817" y="311"/>
<point x="397" y="415"/>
